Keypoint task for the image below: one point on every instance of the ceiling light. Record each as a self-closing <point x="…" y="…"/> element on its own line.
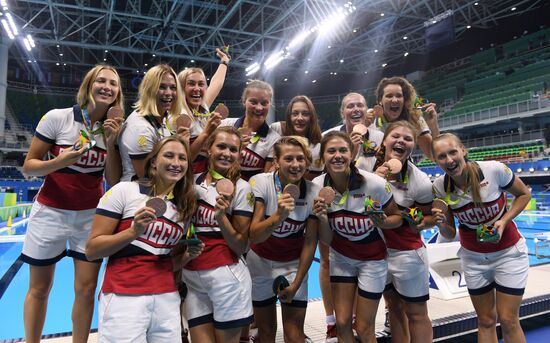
<point x="375" y="50"/>
<point x="31" y="41"/>
<point x="252" y="69"/>
<point x="469" y="27"/>
<point x="192" y="61"/>
<point x="381" y="14"/>
<point x="406" y="54"/>
<point x="306" y="72"/>
<point x="27" y="44"/>
<point x="405" y="37"/>
<point x="313" y="81"/>
<point x="384" y="65"/>
<point x="329" y="47"/>
<point x="12" y="24"/>
<point x="106" y="50"/>
<point x="513" y="9"/>
<point x="7" y="29"/>
<point x="341" y="61"/>
<point x="285" y="80"/>
<point x="57" y="64"/>
<point x="298" y="39"/>
<point x="476" y="3"/>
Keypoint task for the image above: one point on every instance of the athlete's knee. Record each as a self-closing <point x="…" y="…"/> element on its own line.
<point x="85" y="288"/>
<point x="509" y="321"/>
<point x="487" y="320"/>
<point x="364" y="329"/>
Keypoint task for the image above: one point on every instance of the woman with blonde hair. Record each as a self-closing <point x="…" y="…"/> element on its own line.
<point x="493" y="252"/>
<point x="198" y="97"/>
<point x="258" y="137"/>
<point x="80" y="142"/>
<point x="160" y="97"/>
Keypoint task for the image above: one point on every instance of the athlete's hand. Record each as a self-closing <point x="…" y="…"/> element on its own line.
<point x="191" y="252"/>
<point x="430" y="114"/>
<point x="500" y="225"/>
<point x="379" y="219"/>
<point x="142" y="218"/>
<point x="287" y="294"/>
<point x="70" y="155"/>
<point x="184" y="133"/>
<point x="439" y="216"/>
<point x="223" y="56"/>
<point x="356" y="139"/>
<point x="245" y="139"/>
<point x="285" y="205"/>
<point x="223" y="201"/>
<point x="214" y="120"/>
<point x="320" y="208"/>
<point x="111" y="128"/>
<point x="383" y="170"/>
<point x="369" y="117"/>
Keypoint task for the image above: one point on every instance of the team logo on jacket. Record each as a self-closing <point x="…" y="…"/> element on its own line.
<point x="161" y="234"/>
<point x="487" y="213"/>
<point x="353" y="227"/>
<point x="251" y="160"/>
<point x="92" y="158"/>
<point x="289" y="227"/>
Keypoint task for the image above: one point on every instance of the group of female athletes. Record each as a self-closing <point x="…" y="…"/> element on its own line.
<point x="230" y="227"/>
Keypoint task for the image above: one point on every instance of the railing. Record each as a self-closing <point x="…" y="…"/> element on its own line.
<point x="499" y="140"/>
<point x="500" y="112"/>
<point x="505" y="139"/>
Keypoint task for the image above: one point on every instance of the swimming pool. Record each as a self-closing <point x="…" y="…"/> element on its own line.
<point x="15" y="277"/>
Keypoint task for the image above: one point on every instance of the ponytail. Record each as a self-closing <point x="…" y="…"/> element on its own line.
<point x="472" y="170"/>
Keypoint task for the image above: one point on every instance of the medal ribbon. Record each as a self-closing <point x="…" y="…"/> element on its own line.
<point x="255" y="139"/>
<point x="215" y="175"/>
<point x="278" y="186"/>
<point x="88" y="124"/>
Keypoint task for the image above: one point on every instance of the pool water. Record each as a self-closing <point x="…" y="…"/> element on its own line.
<point x="15" y="277"/>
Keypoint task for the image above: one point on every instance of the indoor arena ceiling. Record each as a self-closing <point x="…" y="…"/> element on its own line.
<point x="136" y="34"/>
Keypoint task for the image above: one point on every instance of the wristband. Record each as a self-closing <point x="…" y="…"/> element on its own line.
<point x="225" y="62"/>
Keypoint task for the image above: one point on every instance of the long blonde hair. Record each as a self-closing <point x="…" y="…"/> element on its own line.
<point x="148" y="88"/>
<point x="85" y="96"/>
<point x="182" y="78"/>
<point x="184" y="190"/>
<point x="472" y="169"/>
